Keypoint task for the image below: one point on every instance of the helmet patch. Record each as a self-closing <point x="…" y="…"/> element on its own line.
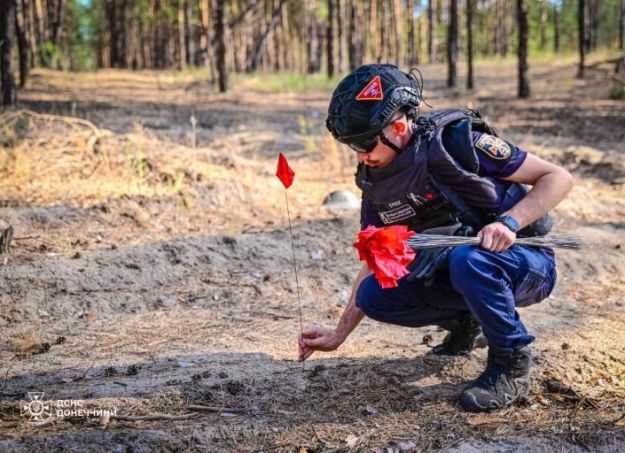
<point x="494" y="147"/>
<point x="372" y="91"/>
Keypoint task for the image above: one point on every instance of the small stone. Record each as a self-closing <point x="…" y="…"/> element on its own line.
<point x="406" y="446"/>
<point x="369" y="410"/>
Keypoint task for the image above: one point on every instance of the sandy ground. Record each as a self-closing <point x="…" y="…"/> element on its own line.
<point x="151" y="274"/>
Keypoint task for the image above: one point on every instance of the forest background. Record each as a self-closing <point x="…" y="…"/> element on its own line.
<point x="297" y="36"/>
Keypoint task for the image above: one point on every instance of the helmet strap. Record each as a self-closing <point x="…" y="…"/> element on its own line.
<point x="389" y="143"/>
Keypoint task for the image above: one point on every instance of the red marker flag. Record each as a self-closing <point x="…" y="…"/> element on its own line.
<point x="284" y="172"/>
<point x="386" y="252"/>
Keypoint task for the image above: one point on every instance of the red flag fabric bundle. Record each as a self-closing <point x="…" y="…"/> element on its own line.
<point x="284" y="172"/>
<point x="386" y="252"/>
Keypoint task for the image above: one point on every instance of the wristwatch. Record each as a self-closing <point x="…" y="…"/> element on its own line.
<point x="509" y="221"/>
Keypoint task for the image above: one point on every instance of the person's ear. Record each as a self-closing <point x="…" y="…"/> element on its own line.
<point x="399" y="128"/>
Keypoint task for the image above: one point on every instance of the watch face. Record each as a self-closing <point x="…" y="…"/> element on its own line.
<point x="510" y="222"/>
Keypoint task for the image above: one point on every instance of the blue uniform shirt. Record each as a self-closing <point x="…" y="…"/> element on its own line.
<point x="497" y="158"/>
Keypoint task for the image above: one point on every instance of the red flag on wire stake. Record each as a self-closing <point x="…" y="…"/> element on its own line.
<point x="286" y="176"/>
<point x="284" y="172"/>
<point x="386" y="252"/>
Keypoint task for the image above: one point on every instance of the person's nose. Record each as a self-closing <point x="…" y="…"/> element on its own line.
<point x="362" y="157"/>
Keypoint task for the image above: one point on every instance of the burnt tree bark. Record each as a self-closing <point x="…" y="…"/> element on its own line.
<point x="355" y="48"/>
<point x="430" y="30"/>
<point x="556" y="29"/>
<point x="221" y="50"/>
<point x="524" y="86"/>
<point x="621" y="27"/>
<point x="452" y="44"/>
<point x="412" y="49"/>
<point x="7" y="34"/>
<point x="330" y="39"/>
<point x="23" y="39"/>
<point x="340" y="7"/>
<point x="543" y="23"/>
<point x="581" y="30"/>
<point x="470" y="81"/>
<point x="254" y="62"/>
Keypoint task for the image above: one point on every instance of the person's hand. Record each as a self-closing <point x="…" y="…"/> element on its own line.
<point x="496" y="237"/>
<point x="317" y="338"/>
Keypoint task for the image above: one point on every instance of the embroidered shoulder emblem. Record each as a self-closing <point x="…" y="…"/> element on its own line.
<point x="495" y="147"/>
<point x="372" y="91"/>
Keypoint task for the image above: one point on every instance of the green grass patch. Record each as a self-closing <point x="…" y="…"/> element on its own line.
<point x="286" y="82"/>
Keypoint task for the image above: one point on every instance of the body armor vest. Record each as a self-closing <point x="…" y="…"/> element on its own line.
<point x="434" y="181"/>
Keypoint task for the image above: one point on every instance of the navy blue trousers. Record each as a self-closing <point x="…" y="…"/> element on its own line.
<point x="490" y="285"/>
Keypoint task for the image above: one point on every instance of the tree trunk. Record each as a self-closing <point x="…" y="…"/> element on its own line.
<point x="355" y="34"/>
<point x="412" y="49"/>
<point x="524" y="86"/>
<point x="340" y="6"/>
<point x="542" y="21"/>
<point x="189" y="34"/>
<point x="204" y="27"/>
<point x="23" y="40"/>
<point x="621" y="27"/>
<point x="470" y="82"/>
<point x="311" y="37"/>
<point x="41" y="34"/>
<point x="430" y="30"/>
<point x="452" y="44"/>
<point x="396" y="20"/>
<point x="556" y="29"/>
<point x="29" y="23"/>
<point x="581" y="29"/>
<point x="593" y="24"/>
<point x="384" y="24"/>
<point x="221" y="53"/>
<point x="55" y="26"/>
<point x="254" y="62"/>
<point x="182" y="60"/>
<point x="374" y="32"/>
<point x="7" y="33"/>
<point x="330" y="39"/>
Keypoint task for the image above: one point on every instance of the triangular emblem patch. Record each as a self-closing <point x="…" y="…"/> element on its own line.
<point x="372" y="92"/>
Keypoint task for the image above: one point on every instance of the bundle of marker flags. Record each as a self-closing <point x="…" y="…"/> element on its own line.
<point x="388" y="250"/>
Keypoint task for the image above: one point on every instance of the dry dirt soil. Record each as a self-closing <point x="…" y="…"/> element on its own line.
<point x="151" y="274"/>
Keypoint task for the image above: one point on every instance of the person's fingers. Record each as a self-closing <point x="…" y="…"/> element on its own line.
<point x="497" y="243"/>
<point x="310" y="332"/>
<point x="315" y="342"/>
<point x="487" y="240"/>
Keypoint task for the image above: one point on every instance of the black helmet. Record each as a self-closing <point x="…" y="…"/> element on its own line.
<point x="364" y="102"/>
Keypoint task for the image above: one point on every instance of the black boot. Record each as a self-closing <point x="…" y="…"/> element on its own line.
<point x="506" y="379"/>
<point x="465" y="335"/>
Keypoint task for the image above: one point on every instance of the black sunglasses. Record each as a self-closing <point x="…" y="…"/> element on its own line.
<point x="365" y="145"/>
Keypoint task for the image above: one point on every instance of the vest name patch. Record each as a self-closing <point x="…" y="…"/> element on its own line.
<point x="494" y="147"/>
<point x="372" y="91"/>
<point x="395" y="215"/>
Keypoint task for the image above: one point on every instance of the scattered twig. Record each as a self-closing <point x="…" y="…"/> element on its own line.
<point x="11" y="394"/>
<point x="196" y="407"/>
<point x="618" y="419"/>
<point x="5" y="240"/>
<point x="6" y="375"/>
<point x="83" y="376"/>
<point x="95" y="131"/>
<point x="26" y="238"/>
<point x="618" y="80"/>
<point x="139" y="418"/>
